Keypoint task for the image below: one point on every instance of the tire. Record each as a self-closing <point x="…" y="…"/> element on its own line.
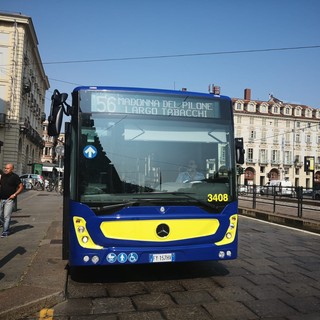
<point x="38" y="186"/>
<point x="49" y="187"/>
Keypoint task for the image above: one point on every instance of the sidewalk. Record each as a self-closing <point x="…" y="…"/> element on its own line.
<point x="32" y="274"/>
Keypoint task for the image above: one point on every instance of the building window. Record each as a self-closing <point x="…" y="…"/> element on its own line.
<point x="238" y="106"/>
<point x="275" y="156"/>
<point x="250" y="107"/>
<point x="297" y="139"/>
<point x="287" y="157"/>
<point x="263" y="156"/>
<point x="308" y="138"/>
<point x="250" y="155"/>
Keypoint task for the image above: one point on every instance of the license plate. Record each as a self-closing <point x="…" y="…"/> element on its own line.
<point x="161" y="257"/>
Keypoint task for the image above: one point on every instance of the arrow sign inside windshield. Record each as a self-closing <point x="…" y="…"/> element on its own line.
<point x="90" y="152"/>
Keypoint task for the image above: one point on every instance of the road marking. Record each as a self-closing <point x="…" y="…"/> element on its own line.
<point x="46" y="314"/>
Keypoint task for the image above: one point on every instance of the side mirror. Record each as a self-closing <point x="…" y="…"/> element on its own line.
<point x="56" y="113"/>
<point x="239" y="150"/>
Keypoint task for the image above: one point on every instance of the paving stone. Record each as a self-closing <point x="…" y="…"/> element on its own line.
<point x="191" y="297"/>
<point x="149" y="315"/>
<point x="164" y="287"/>
<point x="290" y="277"/>
<point x="86" y="291"/>
<point x="125" y="289"/>
<point x="240" y="281"/>
<point x="73" y="307"/>
<point x="153" y="301"/>
<point x="112" y="305"/>
<point x="186" y="313"/>
<point x="264" y="279"/>
<point x="230" y="294"/>
<point x="304" y="305"/>
<point x="229" y="310"/>
<point x="91" y="317"/>
<point x="198" y="283"/>
<point x="270" y="308"/>
<point x="313" y="316"/>
<point x="300" y="289"/>
<point x="267" y="291"/>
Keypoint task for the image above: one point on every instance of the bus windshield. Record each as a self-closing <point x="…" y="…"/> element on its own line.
<point x="130" y="159"/>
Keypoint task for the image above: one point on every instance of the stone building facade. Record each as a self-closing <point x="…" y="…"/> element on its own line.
<point x="23" y="84"/>
<point x="277" y="138"/>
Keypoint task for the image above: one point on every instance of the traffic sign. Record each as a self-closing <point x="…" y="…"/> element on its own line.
<point x="60" y="150"/>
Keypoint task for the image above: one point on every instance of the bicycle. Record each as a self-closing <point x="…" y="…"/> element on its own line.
<point x="56" y="185"/>
<point x="38" y="185"/>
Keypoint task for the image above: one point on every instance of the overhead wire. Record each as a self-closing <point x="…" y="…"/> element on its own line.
<point x="184" y="55"/>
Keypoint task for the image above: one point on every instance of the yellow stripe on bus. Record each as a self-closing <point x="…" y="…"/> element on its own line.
<point x="145" y="230"/>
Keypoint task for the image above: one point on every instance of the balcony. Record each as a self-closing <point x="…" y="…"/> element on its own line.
<point x="275" y="162"/>
<point x="250" y="160"/>
<point x="263" y="161"/>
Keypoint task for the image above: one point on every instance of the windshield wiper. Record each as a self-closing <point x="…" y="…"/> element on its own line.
<point x="111" y="207"/>
<point x="158" y="201"/>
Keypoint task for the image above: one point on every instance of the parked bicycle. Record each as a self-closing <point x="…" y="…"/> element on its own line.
<point x="54" y="185"/>
<point x="38" y="185"/>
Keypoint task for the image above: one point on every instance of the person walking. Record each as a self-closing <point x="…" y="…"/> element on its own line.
<point x="10" y="187"/>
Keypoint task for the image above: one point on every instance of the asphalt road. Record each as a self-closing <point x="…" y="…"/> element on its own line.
<point x="276" y="276"/>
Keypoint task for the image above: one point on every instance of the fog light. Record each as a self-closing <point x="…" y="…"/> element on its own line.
<point x="81" y="229"/>
<point x="85" y="239"/>
<point x="95" y="259"/>
<point x="229" y="253"/>
<point x="86" y="258"/>
<point x="221" y="254"/>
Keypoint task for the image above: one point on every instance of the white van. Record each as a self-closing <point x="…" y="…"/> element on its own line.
<point x="279" y="187"/>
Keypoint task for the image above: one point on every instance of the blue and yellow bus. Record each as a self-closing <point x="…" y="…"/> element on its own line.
<point x="150" y="176"/>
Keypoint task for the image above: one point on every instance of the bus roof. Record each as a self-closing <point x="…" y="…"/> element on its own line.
<point x="150" y="90"/>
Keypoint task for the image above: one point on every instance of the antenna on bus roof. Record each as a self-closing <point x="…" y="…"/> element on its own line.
<point x="214" y="89"/>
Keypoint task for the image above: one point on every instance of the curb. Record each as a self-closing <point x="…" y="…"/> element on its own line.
<point x="32" y="307"/>
<point x="295" y="222"/>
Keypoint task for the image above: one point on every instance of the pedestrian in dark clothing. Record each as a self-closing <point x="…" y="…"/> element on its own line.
<point x="10" y="187"/>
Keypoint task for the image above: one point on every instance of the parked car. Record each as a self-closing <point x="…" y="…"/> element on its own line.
<point x="245" y="189"/>
<point x="29" y="180"/>
<point x="316" y="195"/>
<point x="279" y="187"/>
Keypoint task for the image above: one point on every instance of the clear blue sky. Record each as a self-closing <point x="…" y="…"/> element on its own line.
<point x="82" y="30"/>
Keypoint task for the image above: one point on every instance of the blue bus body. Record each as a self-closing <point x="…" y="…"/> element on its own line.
<point x="124" y="202"/>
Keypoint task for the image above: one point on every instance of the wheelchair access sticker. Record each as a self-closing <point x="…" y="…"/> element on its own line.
<point x="90" y="151"/>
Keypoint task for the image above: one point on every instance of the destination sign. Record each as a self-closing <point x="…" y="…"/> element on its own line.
<point x="153" y="104"/>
